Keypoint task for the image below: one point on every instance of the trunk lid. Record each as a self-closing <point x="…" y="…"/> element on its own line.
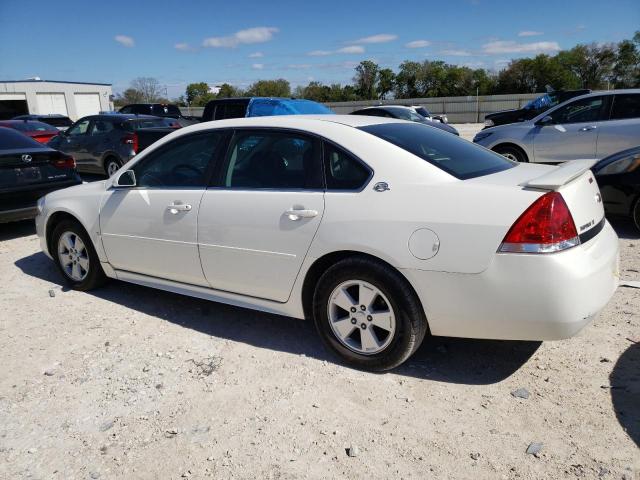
<point x="23" y="167"/>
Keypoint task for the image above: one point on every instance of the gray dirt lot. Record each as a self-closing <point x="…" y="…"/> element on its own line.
<point x="130" y="382"/>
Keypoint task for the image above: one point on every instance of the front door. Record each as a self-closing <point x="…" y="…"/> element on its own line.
<point x="152" y="228"/>
<point x="573" y="133"/>
<point x="74" y="140"/>
<point x="256" y="225"/>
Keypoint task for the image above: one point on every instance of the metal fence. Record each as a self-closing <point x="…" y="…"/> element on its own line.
<point x="470" y="109"/>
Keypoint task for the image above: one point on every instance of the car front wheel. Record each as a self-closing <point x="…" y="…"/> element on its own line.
<point x="368" y="314"/>
<point x="111" y="166"/>
<point x="636" y="214"/>
<point x="512" y="153"/>
<point x="75" y="256"/>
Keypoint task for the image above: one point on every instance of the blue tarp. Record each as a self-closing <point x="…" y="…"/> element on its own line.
<point x="264" y="107"/>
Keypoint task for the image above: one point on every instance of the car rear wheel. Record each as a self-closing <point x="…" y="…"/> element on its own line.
<point x="75" y="256"/>
<point x="512" y="153"/>
<point x="111" y="166"/>
<point x="368" y="314"/>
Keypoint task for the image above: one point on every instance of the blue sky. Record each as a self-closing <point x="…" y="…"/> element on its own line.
<point x="180" y="42"/>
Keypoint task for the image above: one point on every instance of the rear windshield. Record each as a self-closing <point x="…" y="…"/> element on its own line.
<point x="150" y="123"/>
<point x="33" y="126"/>
<point x="57" y="121"/>
<point x="11" y="139"/>
<point x="158" y="109"/>
<point x="448" y="152"/>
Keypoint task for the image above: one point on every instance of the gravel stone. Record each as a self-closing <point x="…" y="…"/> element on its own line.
<point x="534" y="448"/>
<point x="520" y="393"/>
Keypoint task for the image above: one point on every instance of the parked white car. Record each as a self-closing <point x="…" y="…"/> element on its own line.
<point x="380" y="230"/>
<point x="590" y="126"/>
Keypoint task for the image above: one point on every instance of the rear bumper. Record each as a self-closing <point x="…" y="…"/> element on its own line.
<point x="521" y="296"/>
<point x="21" y="203"/>
<point x="17" y="214"/>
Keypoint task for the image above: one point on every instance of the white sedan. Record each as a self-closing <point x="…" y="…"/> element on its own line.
<point x="380" y="230"/>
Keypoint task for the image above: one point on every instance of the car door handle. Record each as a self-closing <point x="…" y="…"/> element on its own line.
<point x="590" y="127"/>
<point x="296" y="214"/>
<point x="178" y="207"/>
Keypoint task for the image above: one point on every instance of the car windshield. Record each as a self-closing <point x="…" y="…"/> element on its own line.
<point x="262" y="107"/>
<point x="11" y="139"/>
<point x="423" y="111"/>
<point x="457" y="157"/>
<point x="33" y="126"/>
<point x="405" y="114"/>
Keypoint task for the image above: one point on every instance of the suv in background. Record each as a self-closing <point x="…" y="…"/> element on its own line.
<point x="159" y="110"/>
<point x="260" y="107"/>
<point x="103" y="143"/>
<point x="532" y="109"/>
<point x="588" y="127"/>
<point x="61" y="122"/>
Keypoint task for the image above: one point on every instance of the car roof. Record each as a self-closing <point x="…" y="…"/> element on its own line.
<point x="122" y="116"/>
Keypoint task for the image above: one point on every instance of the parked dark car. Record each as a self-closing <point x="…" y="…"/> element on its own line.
<point x="260" y="107"/>
<point x="28" y="171"/>
<point x="103" y="143"/>
<point x="618" y="177"/>
<point x="403" y="113"/>
<point x="40" y="132"/>
<point x="61" y="122"/>
<point x="532" y="109"/>
<point x="160" y="110"/>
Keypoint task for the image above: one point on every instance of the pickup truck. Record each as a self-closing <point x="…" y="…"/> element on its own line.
<point x="237" y="108"/>
<point x="160" y="110"/>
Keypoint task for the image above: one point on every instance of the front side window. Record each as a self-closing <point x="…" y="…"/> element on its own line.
<point x="580" y="111"/>
<point x="80" y="128"/>
<point x="342" y="170"/>
<point x="448" y="152"/>
<point x="101" y="127"/>
<point x="181" y="163"/>
<point x="626" y="106"/>
<point x="273" y="160"/>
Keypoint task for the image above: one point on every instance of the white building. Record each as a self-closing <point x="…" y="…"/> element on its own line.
<point x="73" y="99"/>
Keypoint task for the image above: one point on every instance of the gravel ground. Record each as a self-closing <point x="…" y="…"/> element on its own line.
<point x="130" y="382"/>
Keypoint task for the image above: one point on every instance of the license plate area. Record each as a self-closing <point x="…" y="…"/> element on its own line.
<point x="27" y="175"/>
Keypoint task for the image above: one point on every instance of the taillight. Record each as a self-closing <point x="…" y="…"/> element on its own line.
<point x="545" y="227"/>
<point x="42" y="138"/>
<point x="64" y="161"/>
<point x="131" y="139"/>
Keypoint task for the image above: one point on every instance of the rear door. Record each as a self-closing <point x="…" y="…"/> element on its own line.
<point x="256" y="225"/>
<point x="151" y="229"/>
<point x="573" y="133"/>
<point x="622" y="131"/>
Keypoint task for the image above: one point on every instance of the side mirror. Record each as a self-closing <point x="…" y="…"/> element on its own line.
<point x="126" y="179"/>
<point x="546" y="120"/>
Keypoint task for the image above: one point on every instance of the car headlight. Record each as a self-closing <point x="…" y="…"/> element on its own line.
<point x="488" y="123"/>
<point x="481" y="136"/>
<point x="624" y="165"/>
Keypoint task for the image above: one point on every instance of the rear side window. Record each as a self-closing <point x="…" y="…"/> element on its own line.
<point x="626" y="106"/>
<point x="342" y="170"/>
<point x="150" y="123"/>
<point x="100" y="127"/>
<point x="448" y="152"/>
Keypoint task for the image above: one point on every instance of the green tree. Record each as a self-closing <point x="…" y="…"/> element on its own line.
<point x="626" y="70"/>
<point x="366" y="79"/>
<point x="386" y="82"/>
<point x="407" y="79"/>
<point x="198" y="94"/>
<point x="270" y="88"/>
<point x="229" y="91"/>
<point x="149" y="89"/>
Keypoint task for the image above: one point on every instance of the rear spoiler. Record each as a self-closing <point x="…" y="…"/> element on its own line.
<point x="561" y="175"/>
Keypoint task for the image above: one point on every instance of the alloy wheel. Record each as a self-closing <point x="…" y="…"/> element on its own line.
<point x="73" y="256"/>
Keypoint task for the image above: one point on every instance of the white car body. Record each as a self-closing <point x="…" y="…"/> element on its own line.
<point x="560" y="142"/>
<point x="441" y="233"/>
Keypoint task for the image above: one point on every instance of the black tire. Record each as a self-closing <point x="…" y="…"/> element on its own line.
<point x="512" y="153"/>
<point x="95" y="276"/>
<point x="410" y="320"/>
<point x="635" y="214"/>
<point x="111" y="163"/>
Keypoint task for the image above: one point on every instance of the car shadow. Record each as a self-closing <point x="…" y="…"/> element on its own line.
<point x="13" y="230"/>
<point x="624" y="383"/>
<point x="625" y="228"/>
<point x="451" y="360"/>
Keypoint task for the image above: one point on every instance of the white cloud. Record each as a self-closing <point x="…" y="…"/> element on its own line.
<point x="380" y="38"/>
<point x="125" y="40"/>
<point x="418" y="44"/>
<point x="456" y="53"/>
<point x="257" y="66"/>
<point x="498" y="46"/>
<point x="299" y="66"/>
<point x="256" y="55"/>
<point x="351" y="49"/>
<point x="183" y="47"/>
<point x="242" y="37"/>
<point x="529" y="33"/>
<point x="319" y="53"/>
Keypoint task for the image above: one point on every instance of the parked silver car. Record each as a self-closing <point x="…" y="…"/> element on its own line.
<point x="591" y="126"/>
